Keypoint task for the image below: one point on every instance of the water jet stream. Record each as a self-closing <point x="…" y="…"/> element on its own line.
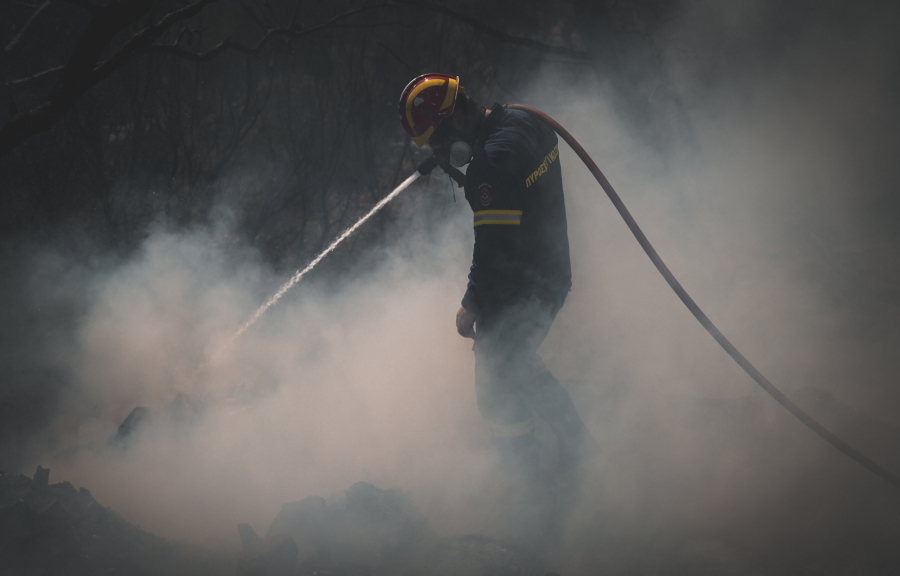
<point x="299" y="274"/>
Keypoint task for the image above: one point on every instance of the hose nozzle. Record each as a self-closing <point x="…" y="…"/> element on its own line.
<point x="430" y="164"/>
<point x="427" y="166"/>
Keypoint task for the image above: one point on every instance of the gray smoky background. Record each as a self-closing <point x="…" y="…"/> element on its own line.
<point x="756" y="143"/>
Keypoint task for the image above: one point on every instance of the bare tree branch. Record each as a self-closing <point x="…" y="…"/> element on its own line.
<point x="499" y="35"/>
<point x="229" y="44"/>
<point x="253" y="16"/>
<point x="81" y="71"/>
<point x="37" y="76"/>
<point x="403" y="62"/>
<point x="18" y="37"/>
<point x="89" y="5"/>
<point x="291" y="32"/>
<point x="146" y="37"/>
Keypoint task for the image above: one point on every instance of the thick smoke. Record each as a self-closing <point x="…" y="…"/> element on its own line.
<point x="771" y="210"/>
<point x="367" y="381"/>
<point x="768" y="187"/>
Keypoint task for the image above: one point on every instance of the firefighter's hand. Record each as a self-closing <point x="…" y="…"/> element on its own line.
<point x="465" y="323"/>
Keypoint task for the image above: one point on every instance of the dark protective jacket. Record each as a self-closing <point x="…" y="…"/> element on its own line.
<point x="514" y="186"/>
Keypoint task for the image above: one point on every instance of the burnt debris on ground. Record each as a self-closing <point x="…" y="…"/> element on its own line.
<point x="58" y="529"/>
<point x="183" y="412"/>
<point x="55" y="529"/>
<point x="371" y="531"/>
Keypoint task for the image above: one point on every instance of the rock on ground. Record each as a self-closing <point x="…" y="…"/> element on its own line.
<point x="55" y="529"/>
<point x="370" y="531"/>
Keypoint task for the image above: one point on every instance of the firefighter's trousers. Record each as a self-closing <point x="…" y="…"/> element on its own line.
<point x="512" y="384"/>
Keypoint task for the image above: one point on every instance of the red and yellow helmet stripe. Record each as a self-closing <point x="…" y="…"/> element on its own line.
<point x="426" y="101"/>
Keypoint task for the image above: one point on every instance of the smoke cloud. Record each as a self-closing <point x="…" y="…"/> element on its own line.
<point x="768" y="186"/>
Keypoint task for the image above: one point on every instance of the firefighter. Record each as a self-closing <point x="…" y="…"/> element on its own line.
<point x="520" y="274"/>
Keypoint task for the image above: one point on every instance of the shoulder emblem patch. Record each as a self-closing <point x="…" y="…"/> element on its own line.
<point x="484" y="195"/>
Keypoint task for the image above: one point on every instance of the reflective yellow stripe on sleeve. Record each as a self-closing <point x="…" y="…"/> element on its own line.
<point x="498" y="217"/>
<point x="512" y="430"/>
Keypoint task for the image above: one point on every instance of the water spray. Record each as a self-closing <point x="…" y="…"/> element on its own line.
<point x="299" y="274"/>
<point x="430" y="164"/>
<point x="423" y="169"/>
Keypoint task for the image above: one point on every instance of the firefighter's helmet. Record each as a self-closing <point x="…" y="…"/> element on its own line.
<point x="426" y="101"/>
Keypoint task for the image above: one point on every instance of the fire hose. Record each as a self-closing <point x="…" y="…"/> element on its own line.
<point x="676" y="286"/>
